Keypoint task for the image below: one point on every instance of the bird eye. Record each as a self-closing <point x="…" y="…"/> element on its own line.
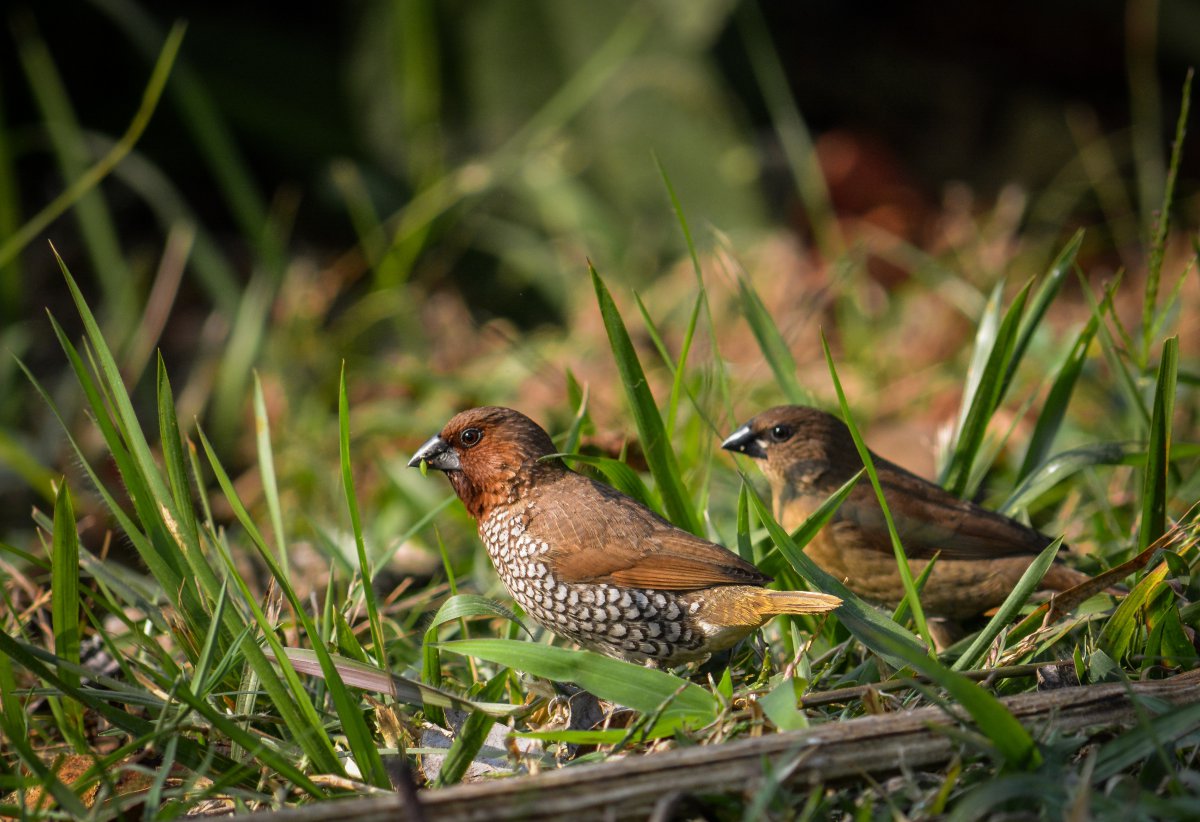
<point x="781" y="433"/>
<point x="470" y="437"/>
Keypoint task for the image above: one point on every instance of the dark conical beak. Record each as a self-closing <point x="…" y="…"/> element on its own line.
<point x="438" y="453"/>
<point x="745" y="441"/>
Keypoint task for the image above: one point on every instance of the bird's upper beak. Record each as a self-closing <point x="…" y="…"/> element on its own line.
<point x="438" y="453"/>
<point x="745" y="441"/>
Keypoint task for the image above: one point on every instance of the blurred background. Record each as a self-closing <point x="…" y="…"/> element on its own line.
<point x="415" y="188"/>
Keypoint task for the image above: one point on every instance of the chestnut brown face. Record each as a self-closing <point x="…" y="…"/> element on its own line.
<point x="483" y="450"/>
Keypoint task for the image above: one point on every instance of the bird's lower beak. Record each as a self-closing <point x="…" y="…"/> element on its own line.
<point x="745" y="441"/>
<point x="438" y="453"/>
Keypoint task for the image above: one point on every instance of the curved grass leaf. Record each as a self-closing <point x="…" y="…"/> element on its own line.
<point x="1010" y="739"/>
<point x="987" y="379"/>
<point x="643" y="689"/>
<point x="461" y="607"/>
<point x="1117" y="637"/>
<point x="861" y="619"/>
<point x="772" y="344"/>
<point x="622" y="477"/>
<point x="1025" y="586"/>
<point x="1055" y="407"/>
<point x="657" y="449"/>
<point x="1061" y="466"/>
<point x="1041" y="303"/>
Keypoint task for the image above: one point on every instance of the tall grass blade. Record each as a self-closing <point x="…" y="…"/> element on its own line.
<point x="677" y="384"/>
<point x="855" y="614"/>
<point x="364" y="563"/>
<point x="266" y="468"/>
<point x="1040" y="304"/>
<point x="89" y="179"/>
<point x="1158" y="243"/>
<point x="1025" y="586"/>
<point x="622" y="477"/>
<point x="64" y="609"/>
<point x="657" y="449"/>
<point x="985" y="388"/>
<point x="1158" y="451"/>
<point x="643" y="689"/>
<point x="906" y="577"/>
<point x="774" y="348"/>
<point x="472" y="735"/>
<point x="358" y="737"/>
<point x="1054" y="409"/>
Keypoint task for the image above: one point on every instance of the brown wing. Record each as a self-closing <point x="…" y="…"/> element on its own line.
<point x="930" y="519"/>
<point x="597" y="534"/>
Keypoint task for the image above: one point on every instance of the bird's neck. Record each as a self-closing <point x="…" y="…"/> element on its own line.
<point x="504" y="487"/>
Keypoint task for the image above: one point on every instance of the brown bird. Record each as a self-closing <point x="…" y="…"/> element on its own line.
<point x="592" y="564"/>
<point x="808" y="454"/>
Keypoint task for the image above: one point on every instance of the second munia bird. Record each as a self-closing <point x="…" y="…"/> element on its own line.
<point x="808" y="454"/>
<point x="591" y="564"/>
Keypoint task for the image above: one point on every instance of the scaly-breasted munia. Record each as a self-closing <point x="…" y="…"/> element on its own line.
<point x="591" y="564"/>
<point x="808" y="454"/>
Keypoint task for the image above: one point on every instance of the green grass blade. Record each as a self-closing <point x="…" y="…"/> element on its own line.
<point x="157" y="508"/>
<point x="1025" y="586"/>
<point x="364" y="563"/>
<point x="471" y="736"/>
<point x="906" y="577"/>
<point x="291" y="700"/>
<point x="1045" y="295"/>
<point x="266" y="467"/>
<point x="1158" y="455"/>
<point x="987" y="380"/>
<point x="1158" y="244"/>
<point x="861" y="619"/>
<point x="1012" y="742"/>
<point x="1054" y="409"/>
<point x="1062" y="466"/>
<point x="1117" y="636"/>
<point x="643" y="689"/>
<point x="64" y="607"/>
<point x="679" y="368"/>
<point x="457" y="607"/>
<point x="90" y="178"/>
<point x="655" y="445"/>
<point x="1112" y="351"/>
<point x="171" y="443"/>
<point x="619" y="474"/>
<point x="774" y="348"/>
<point x="782" y="707"/>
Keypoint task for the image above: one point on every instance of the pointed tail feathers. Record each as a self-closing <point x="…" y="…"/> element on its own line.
<point x="797" y="602"/>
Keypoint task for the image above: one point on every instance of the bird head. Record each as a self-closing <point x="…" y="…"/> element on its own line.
<point x="794" y="442"/>
<point x="488" y="454"/>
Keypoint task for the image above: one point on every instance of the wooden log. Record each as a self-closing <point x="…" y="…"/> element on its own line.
<point x="835" y="751"/>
